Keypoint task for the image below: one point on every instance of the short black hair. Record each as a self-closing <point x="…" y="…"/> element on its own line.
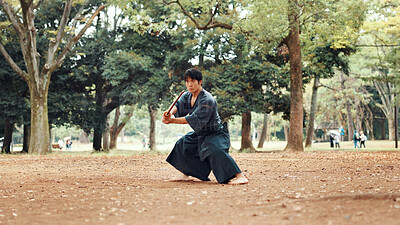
<point x="193" y="73"/>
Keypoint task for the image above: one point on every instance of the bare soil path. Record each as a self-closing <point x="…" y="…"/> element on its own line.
<point x="284" y="188"/>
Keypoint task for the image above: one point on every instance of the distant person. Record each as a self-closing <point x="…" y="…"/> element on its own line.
<point x="68" y="144"/>
<point x="356" y="139"/>
<point x="144" y="143"/>
<point x="337" y="141"/>
<point x="331" y="138"/>
<point x="341" y="132"/>
<point x="60" y="144"/>
<point x="363" y="138"/>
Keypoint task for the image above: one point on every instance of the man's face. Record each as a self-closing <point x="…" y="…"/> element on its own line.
<point x="193" y="85"/>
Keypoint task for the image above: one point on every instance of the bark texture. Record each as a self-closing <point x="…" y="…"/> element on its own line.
<point x="264" y="130"/>
<point x="246" y="143"/>
<point x="295" y="141"/>
<point x="313" y="110"/>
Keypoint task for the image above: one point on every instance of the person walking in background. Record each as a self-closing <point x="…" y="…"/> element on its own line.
<point x="337" y="141"/>
<point x="144" y="143"/>
<point x="341" y="132"/>
<point x="363" y="138"/>
<point x="68" y="144"/>
<point x="60" y="144"/>
<point x="331" y="139"/>
<point x="356" y="139"/>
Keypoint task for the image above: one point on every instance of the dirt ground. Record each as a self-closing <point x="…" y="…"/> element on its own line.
<point x="325" y="187"/>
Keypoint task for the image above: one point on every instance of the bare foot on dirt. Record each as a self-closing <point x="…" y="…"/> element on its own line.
<point x="182" y="177"/>
<point x="239" y="179"/>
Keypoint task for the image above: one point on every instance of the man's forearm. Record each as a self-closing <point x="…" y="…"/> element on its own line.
<point x="180" y="120"/>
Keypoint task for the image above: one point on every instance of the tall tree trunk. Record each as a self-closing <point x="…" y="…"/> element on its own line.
<point x="313" y="109"/>
<point x="391" y="128"/>
<point x="295" y="142"/>
<point x="153" y="113"/>
<point x="106" y="135"/>
<point x="97" y="135"/>
<point x="27" y="137"/>
<point x="113" y="129"/>
<point x="106" y="140"/>
<point x="383" y="129"/>
<point x="350" y="121"/>
<point x="8" y="131"/>
<point x="358" y="115"/>
<point x="99" y="127"/>
<point x="246" y="133"/>
<point x="264" y="129"/>
<point x="286" y="132"/>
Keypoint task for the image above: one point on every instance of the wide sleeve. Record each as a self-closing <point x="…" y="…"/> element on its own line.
<point x="182" y="105"/>
<point x="200" y="118"/>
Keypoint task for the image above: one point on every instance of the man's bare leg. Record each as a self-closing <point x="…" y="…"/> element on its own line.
<point x="239" y="179"/>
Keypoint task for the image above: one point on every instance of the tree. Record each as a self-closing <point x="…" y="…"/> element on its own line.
<point x="322" y="62"/>
<point x="38" y="73"/>
<point x="13" y="93"/>
<point x="381" y="37"/>
<point x="312" y="19"/>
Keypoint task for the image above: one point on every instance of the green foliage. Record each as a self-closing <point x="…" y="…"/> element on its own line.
<point x="322" y="22"/>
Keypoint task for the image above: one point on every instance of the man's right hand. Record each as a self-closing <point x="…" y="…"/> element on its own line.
<point x="166" y="117"/>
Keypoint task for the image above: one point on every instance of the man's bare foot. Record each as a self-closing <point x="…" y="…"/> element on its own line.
<point x="239" y="179"/>
<point x="182" y="177"/>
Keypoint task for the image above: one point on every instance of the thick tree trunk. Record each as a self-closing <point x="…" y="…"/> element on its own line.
<point x="113" y="130"/>
<point x="106" y="140"/>
<point x="295" y="142"/>
<point x="27" y="137"/>
<point x="97" y="135"/>
<point x="106" y="135"/>
<point x="8" y="131"/>
<point x="98" y="129"/>
<point x="40" y="136"/>
<point x="383" y="129"/>
<point x="313" y="109"/>
<point x="391" y="126"/>
<point x="246" y="133"/>
<point x="153" y="114"/>
<point x="263" y="131"/>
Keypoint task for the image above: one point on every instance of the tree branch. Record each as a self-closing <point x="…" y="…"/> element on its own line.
<point x="74" y="40"/>
<point x="210" y="24"/>
<point x="53" y="45"/>
<point x="13" y="65"/>
<point x="38" y="4"/>
<point x="12" y="16"/>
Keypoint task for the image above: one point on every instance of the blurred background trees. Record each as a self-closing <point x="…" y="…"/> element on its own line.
<point x="129" y="65"/>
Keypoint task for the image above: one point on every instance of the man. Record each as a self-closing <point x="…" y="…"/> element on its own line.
<point x="206" y="148"/>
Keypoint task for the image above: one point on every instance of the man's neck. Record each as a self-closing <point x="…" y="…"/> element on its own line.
<point x="195" y="94"/>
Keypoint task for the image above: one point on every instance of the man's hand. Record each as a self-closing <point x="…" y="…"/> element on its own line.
<point x="166" y="118"/>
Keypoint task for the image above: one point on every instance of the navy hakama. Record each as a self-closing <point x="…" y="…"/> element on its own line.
<point x="206" y="148"/>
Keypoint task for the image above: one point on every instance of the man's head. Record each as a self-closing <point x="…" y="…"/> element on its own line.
<point x="193" y="80"/>
<point x="193" y="73"/>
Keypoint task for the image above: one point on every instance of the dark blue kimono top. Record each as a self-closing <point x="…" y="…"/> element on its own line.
<point x="203" y="117"/>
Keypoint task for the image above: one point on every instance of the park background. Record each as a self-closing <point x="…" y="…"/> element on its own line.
<point x="284" y="73"/>
<point x="115" y="66"/>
